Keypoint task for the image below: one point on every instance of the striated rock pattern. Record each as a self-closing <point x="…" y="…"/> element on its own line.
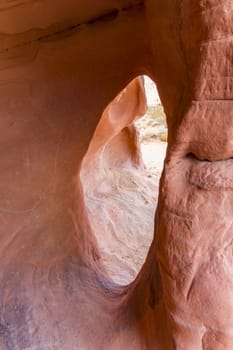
<point x="61" y="64"/>
<point x="119" y="195"/>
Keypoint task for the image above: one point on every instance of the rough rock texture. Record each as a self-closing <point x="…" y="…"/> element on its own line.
<point x="61" y="63"/>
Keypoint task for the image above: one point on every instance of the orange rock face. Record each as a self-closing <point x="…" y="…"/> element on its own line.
<point x="61" y="64"/>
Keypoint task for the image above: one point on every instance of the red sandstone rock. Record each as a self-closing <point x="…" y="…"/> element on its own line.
<point x="61" y="64"/>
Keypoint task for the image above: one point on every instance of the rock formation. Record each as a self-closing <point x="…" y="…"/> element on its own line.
<point x="62" y="63"/>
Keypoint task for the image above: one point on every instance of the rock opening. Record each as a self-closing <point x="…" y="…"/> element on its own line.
<point x="120" y="176"/>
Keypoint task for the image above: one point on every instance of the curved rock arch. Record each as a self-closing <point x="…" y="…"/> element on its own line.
<point x="54" y="293"/>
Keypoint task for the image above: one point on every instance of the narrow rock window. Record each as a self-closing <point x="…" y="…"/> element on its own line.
<point x="152" y="128"/>
<point x="120" y="176"/>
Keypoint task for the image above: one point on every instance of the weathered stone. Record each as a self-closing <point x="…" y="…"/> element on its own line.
<point x="61" y="64"/>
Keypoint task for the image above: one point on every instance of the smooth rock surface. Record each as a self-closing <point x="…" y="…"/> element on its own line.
<point x="56" y="57"/>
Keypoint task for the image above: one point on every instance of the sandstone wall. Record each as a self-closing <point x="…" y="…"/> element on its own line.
<point x="61" y="63"/>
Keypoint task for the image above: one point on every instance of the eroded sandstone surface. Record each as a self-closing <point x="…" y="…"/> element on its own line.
<point x="56" y="57"/>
